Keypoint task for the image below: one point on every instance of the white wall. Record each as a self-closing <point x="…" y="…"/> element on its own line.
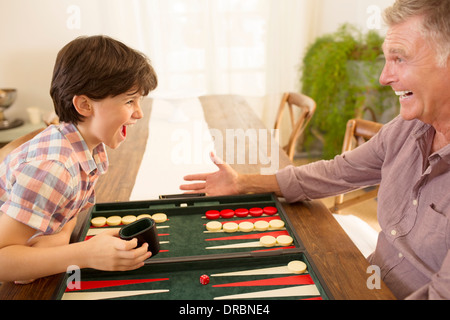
<point x="32" y="34"/>
<point x="33" y="31"/>
<point x="334" y="13"/>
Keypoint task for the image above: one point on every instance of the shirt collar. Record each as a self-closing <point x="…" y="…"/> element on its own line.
<point x="421" y="129"/>
<point x="444" y="153"/>
<point x="90" y="163"/>
<point x="425" y="132"/>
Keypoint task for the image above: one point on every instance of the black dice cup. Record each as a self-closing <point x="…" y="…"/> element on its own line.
<point x="145" y="232"/>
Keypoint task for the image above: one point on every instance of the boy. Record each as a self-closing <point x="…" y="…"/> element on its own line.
<point x="96" y="88"/>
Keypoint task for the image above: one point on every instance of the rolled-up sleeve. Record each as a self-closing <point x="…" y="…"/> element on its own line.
<point x="352" y="170"/>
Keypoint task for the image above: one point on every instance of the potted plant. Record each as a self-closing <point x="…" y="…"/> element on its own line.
<point x="340" y="72"/>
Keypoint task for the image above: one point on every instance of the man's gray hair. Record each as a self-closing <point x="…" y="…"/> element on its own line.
<point x="436" y="22"/>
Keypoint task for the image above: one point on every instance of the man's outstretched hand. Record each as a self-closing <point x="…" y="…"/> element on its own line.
<point x="220" y="183"/>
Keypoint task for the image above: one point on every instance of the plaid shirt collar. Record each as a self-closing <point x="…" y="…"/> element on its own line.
<point x="97" y="162"/>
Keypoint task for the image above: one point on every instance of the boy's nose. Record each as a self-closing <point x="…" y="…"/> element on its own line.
<point x="138" y="113"/>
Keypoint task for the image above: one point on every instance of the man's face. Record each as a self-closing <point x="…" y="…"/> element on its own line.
<point x="413" y="73"/>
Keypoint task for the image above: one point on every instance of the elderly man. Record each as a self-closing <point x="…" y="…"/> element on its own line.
<point x="410" y="158"/>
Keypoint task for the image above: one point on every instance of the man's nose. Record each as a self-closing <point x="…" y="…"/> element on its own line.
<point x="387" y="76"/>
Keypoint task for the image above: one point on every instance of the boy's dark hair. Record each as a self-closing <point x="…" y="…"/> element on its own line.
<point x="98" y="67"/>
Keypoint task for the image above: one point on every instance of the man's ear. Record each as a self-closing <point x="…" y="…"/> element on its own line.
<point x="83" y="105"/>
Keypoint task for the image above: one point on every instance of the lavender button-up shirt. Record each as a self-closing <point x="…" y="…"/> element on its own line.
<point x="413" y="203"/>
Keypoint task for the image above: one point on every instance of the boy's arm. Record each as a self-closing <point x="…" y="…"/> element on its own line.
<point x="18" y="261"/>
<point x="57" y="239"/>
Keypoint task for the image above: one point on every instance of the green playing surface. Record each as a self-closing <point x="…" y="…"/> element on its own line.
<point x="188" y="250"/>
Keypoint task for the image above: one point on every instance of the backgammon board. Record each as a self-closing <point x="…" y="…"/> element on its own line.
<point x="236" y="262"/>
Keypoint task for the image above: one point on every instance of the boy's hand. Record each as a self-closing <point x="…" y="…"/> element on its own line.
<point x="108" y="252"/>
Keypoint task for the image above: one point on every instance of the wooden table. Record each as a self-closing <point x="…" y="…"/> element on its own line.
<point x="340" y="263"/>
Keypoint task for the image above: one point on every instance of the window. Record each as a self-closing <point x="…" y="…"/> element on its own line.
<point x="212" y="46"/>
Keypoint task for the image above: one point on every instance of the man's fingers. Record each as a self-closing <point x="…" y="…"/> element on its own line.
<point x="193" y="187"/>
<point x="214" y="158"/>
<point x="203" y="176"/>
<point x="196" y="177"/>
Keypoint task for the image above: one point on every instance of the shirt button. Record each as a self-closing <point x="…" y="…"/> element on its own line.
<point x="415" y="203"/>
<point x="393" y="232"/>
<point x="400" y="255"/>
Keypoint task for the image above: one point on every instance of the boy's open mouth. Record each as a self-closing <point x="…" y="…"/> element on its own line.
<point x="124" y="131"/>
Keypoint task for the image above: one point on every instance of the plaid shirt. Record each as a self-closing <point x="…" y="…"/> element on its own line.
<point x="49" y="179"/>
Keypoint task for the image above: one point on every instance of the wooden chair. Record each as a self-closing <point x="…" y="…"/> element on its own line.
<point x="357" y="132"/>
<point x="5" y="150"/>
<point x="307" y="108"/>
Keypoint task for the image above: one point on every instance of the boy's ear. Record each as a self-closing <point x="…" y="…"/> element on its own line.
<point x="83" y="105"/>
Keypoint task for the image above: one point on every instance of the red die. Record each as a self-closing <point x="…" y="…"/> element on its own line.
<point x="204" y="279"/>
